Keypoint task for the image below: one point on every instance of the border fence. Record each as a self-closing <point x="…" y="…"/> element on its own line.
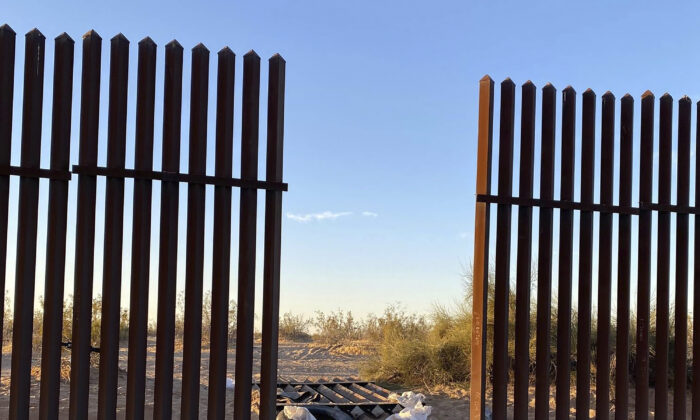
<point x="60" y="175"/>
<point x="606" y="346"/>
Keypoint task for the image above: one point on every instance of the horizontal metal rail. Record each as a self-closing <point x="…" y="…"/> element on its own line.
<point x="138" y="174"/>
<point x="179" y="177"/>
<point x="35" y="173"/>
<point x="577" y="205"/>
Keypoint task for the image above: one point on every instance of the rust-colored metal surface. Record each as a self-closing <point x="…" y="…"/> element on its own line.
<point x="477" y="385"/>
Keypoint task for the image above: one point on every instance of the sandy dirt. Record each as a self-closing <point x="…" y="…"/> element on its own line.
<point x="296" y="361"/>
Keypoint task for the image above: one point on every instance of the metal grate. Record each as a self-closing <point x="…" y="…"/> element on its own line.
<point x="353" y="397"/>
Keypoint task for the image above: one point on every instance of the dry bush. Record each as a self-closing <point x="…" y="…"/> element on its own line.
<point x="418" y="351"/>
<point x="294" y="328"/>
<point x="337" y="327"/>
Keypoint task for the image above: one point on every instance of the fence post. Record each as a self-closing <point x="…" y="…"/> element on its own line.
<point x="646" y="158"/>
<point x="680" y="379"/>
<point x="56" y="231"/>
<point x="544" y="257"/>
<point x="624" y="259"/>
<point x="481" y="252"/>
<point x="246" y="247"/>
<point x="114" y="223"/>
<point x="583" y="351"/>
<point x="141" y="231"/>
<point x="221" y="251"/>
<point x="524" y="257"/>
<point x="273" y="237"/>
<point x="27" y="225"/>
<point x="7" y="81"/>
<point x="607" y="176"/>
<point x="503" y="229"/>
<point x="194" y="271"/>
<point x="568" y="162"/>
<point x="169" y="203"/>
<point x="85" y="228"/>
<point x="663" y="256"/>
<point x="696" y="283"/>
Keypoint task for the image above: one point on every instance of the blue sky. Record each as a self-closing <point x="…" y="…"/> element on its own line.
<point x="381" y="110"/>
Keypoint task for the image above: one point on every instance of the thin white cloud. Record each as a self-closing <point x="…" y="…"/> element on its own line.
<point x="370" y="214"/>
<point x="326" y="215"/>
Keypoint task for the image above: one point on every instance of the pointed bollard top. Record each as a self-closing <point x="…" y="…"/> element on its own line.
<point x="685" y="98"/>
<point x="252" y="54"/>
<point x="225" y="52"/>
<point x="647" y="94"/>
<point x="608" y="95"/>
<point x="173" y="44"/>
<point x="277" y="57"/>
<point x="200" y="48"/>
<point x="35" y="34"/>
<point x="64" y="37"/>
<point x="119" y="39"/>
<point x="589" y="93"/>
<point x="507" y="82"/>
<point x="91" y="34"/>
<point x="569" y="89"/>
<point x="549" y="87"/>
<point x="147" y="42"/>
<point x="666" y="97"/>
<point x="528" y="83"/>
<point x="6" y="29"/>
<point x="486" y="78"/>
<point x="627" y="97"/>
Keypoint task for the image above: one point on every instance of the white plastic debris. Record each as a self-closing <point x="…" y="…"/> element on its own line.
<point x="298" y="413"/>
<point x="229" y="383"/>
<point x="413" y="406"/>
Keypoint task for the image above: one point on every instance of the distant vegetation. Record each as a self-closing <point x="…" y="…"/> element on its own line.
<point x="401" y="347"/>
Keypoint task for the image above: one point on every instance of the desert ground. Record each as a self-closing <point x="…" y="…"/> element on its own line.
<point x="296" y="360"/>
